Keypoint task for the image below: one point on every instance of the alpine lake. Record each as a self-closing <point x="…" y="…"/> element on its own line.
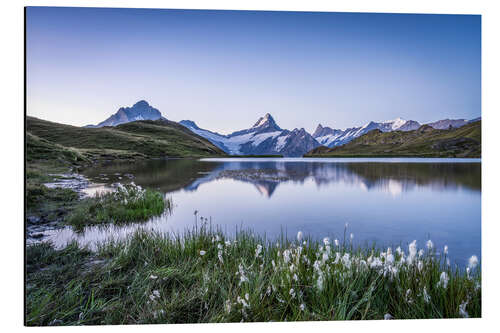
<point x="382" y="202"/>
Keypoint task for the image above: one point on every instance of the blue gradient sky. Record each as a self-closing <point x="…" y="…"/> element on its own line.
<point x="224" y="69"/>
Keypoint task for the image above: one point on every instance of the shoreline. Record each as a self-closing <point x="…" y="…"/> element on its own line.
<point x="205" y="277"/>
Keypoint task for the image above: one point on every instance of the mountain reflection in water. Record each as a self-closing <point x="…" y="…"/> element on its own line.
<point x="393" y="178"/>
<point x="387" y="202"/>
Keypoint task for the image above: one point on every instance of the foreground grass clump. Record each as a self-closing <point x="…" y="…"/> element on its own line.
<point x="202" y="276"/>
<point x="129" y="203"/>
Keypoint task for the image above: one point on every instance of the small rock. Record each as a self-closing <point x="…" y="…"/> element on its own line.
<point x="33" y="219"/>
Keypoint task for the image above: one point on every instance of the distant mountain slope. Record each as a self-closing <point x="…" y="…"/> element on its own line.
<point x="329" y="137"/>
<point x="139" y="139"/>
<point x="453" y="123"/>
<point x="265" y="137"/>
<point x="139" y="111"/>
<point x="426" y="141"/>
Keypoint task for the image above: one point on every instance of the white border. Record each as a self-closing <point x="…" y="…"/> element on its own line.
<point x="12" y="115"/>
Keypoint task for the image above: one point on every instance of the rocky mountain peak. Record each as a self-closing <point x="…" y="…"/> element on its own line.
<point x="266" y="121"/>
<point x="141" y="104"/>
<point x="323" y="130"/>
<point x="139" y="111"/>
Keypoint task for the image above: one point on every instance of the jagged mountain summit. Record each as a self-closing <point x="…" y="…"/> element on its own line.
<point x="265" y="137"/>
<point x="139" y="111"/>
<point x="329" y="137"/>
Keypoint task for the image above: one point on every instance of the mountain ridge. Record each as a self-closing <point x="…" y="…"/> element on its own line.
<point x="265" y="137"/>
<point x="426" y="141"/>
<point x="330" y="137"/>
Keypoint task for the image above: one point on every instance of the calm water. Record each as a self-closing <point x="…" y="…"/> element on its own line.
<point x="387" y="201"/>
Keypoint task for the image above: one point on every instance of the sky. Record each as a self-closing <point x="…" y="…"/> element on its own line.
<point x="225" y="69"/>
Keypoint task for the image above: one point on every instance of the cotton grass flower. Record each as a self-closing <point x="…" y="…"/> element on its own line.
<point x="420" y="265"/>
<point x="242" y="302"/>
<point x="336" y="241"/>
<point x="319" y="282"/>
<point x="302" y="307"/>
<point x="445" y="250"/>
<point x="389" y="258"/>
<point x="346" y="260"/>
<point x="155" y="295"/>
<point x="258" y="250"/>
<point x="326" y="241"/>
<point x="286" y="256"/>
<point x="427" y="297"/>
<point x="337" y="257"/>
<point x="443" y="280"/>
<point x="388" y="316"/>
<point x="227" y="306"/>
<point x="202" y="253"/>
<point x="316" y="266"/>
<point x="462" y="310"/>
<point x="153" y="277"/>
<point x="429" y="245"/>
<point x="241" y="272"/>
<point x="376" y="262"/>
<point x="412" y="252"/>
<point x="219" y="255"/>
<point x="299" y="236"/>
<point x="408" y="296"/>
<point x="473" y="261"/>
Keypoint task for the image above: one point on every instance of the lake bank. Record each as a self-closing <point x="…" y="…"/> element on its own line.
<point x="205" y="277"/>
<point x="149" y="275"/>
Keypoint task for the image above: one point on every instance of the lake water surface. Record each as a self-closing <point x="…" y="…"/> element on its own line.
<point x="385" y="201"/>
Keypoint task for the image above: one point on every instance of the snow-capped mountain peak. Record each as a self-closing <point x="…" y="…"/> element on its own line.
<point x="139" y="111"/>
<point x="265" y="137"/>
<point x="395" y="123"/>
<point x="336" y="137"/>
<point x="266" y="121"/>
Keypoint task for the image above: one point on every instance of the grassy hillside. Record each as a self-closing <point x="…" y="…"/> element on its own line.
<point x="141" y="139"/>
<point x="423" y="142"/>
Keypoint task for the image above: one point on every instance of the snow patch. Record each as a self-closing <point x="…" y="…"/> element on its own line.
<point x="280" y="143"/>
<point x="259" y="138"/>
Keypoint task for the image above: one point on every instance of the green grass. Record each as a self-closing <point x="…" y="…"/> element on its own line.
<point x="153" y="278"/>
<point x="40" y="197"/>
<point x="131" y="141"/>
<point x="129" y="203"/>
<point x="423" y="142"/>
